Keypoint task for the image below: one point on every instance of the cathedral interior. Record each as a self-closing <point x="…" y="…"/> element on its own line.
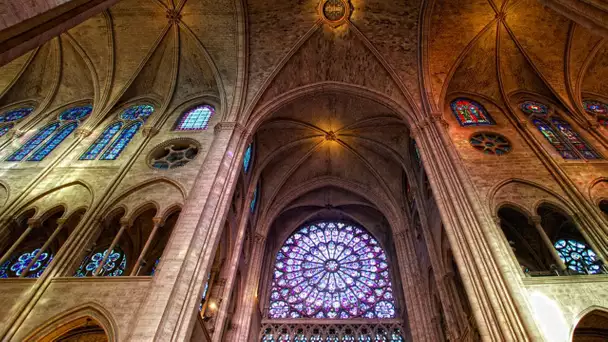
<point x="304" y="170"/>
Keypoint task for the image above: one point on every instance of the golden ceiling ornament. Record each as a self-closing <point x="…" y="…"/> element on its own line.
<point x="335" y="12"/>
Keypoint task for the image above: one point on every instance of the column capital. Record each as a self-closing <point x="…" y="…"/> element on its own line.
<point x="34" y="222"/>
<point x="536" y="219"/>
<point x="259" y="238"/>
<point x="158" y="221"/>
<point x="125" y="222"/>
<point x="150" y="131"/>
<point x="62" y="220"/>
<point x="82" y="133"/>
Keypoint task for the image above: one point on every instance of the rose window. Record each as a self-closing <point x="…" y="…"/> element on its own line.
<point x="490" y="143"/>
<point x="331" y="270"/>
<point x="578" y="256"/>
<point x="174" y="154"/>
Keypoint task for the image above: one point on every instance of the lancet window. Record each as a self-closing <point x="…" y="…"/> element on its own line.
<point x="9" y="118"/>
<point x="195" y="118"/>
<point x="470" y="113"/>
<point x="254" y="200"/>
<point x="119" y="133"/>
<point x="560" y="134"/>
<point x="50" y="136"/>
<point x="247" y="158"/>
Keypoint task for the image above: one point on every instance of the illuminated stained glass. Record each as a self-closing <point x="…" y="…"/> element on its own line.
<point x="36" y="140"/>
<point x="578" y="256"/>
<point x="603" y="122"/>
<point x="196" y="118"/>
<point x="50" y="145"/>
<point x="205" y="290"/>
<point x="470" y="113"/>
<point x="547" y="131"/>
<point x="141" y="112"/>
<point x="101" y="142"/>
<point x="531" y="107"/>
<point x="5" y="128"/>
<point x="114" y="266"/>
<point x="154" y="267"/>
<point x="16" y="114"/>
<point x="596" y="107"/>
<point x="331" y="270"/>
<point x="573" y="138"/>
<point x="121" y="142"/>
<point x="76" y="113"/>
<point x="254" y="199"/>
<point x="16" y="266"/>
<point x="247" y="158"/>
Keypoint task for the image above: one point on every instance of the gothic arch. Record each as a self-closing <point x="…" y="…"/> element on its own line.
<point x="598" y="327"/>
<point x="531" y="202"/>
<point x="92" y="310"/>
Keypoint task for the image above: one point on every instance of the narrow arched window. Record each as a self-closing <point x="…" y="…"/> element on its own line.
<point x="10" y="117"/>
<point x="247" y="157"/>
<point x="195" y="118"/>
<point x="126" y="126"/>
<point x="568" y="143"/>
<point x="51" y="135"/>
<point x="470" y="113"/>
<point x="254" y="199"/>
<point x="331" y="270"/>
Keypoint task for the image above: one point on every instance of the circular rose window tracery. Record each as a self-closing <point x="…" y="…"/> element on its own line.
<point x="490" y="143"/>
<point x="331" y="270"/>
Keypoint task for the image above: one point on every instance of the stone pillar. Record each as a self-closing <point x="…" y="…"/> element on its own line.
<point x="124" y="224"/>
<point x="222" y="313"/>
<point x="158" y="222"/>
<point x="536" y="220"/>
<point x="495" y="294"/>
<point x="242" y="321"/>
<point x="60" y="223"/>
<point x="417" y="299"/>
<point x="170" y="309"/>
<point x="31" y="223"/>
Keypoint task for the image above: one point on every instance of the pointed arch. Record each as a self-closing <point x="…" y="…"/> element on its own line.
<point x="51" y="144"/>
<point x="34" y="142"/>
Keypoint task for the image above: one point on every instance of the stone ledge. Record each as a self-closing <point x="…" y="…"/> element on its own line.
<point x="566" y="280"/>
<point x="126" y="279"/>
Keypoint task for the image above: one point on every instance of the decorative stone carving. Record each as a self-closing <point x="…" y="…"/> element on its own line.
<point x="335" y="12"/>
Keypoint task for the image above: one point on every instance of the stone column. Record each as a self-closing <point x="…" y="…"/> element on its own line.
<point x="169" y="311"/>
<point x="536" y="220"/>
<point x="417" y="301"/>
<point x="60" y="223"/>
<point x="124" y="224"/>
<point x="158" y="222"/>
<point x="494" y="291"/>
<point x="242" y="321"/>
<point x="31" y="224"/>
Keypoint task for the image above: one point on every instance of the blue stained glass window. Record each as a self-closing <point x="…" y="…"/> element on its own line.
<point x="137" y="112"/>
<point x="331" y="270"/>
<point x="50" y="145"/>
<point x="121" y="142"/>
<point x="16" y="114"/>
<point x="470" y="113"/>
<point x="101" y="142"/>
<point x="254" y="199"/>
<point x="195" y="118"/>
<point x="114" y="266"/>
<point x="547" y="131"/>
<point x="247" y="158"/>
<point x="31" y="144"/>
<point x="76" y="113"/>
<point x="15" y="266"/>
<point x="573" y="138"/>
<point x="4" y="129"/>
<point x="578" y="256"/>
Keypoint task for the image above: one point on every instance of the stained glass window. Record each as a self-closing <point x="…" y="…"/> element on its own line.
<point x="254" y="199"/>
<point x="573" y="138"/>
<point x="331" y="270"/>
<point x="470" y="113"/>
<point x="36" y="140"/>
<point x="15" y="114"/>
<point x="547" y="131"/>
<point x="121" y="142"/>
<point x="490" y="143"/>
<point x="104" y="139"/>
<point x="114" y="266"/>
<point x="50" y="136"/>
<point x="16" y="266"/>
<point x="531" y="107"/>
<point x="5" y="128"/>
<point x="204" y="296"/>
<point x="195" y="118"/>
<point x="129" y="121"/>
<point x="247" y="158"/>
<point x="50" y="145"/>
<point x="596" y="107"/>
<point x="577" y="256"/>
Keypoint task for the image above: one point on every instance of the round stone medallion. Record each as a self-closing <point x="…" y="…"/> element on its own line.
<point x="335" y="12"/>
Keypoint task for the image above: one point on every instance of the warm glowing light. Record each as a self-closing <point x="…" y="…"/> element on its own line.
<point x="212" y="306"/>
<point x="549" y="317"/>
